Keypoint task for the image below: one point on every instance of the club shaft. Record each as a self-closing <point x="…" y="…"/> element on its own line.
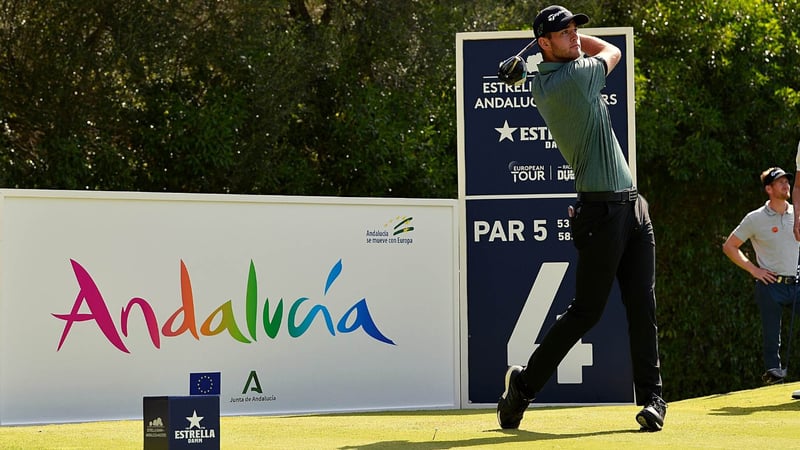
<point x="527" y="47"/>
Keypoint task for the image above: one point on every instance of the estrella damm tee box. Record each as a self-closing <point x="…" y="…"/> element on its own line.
<point x="172" y="423"/>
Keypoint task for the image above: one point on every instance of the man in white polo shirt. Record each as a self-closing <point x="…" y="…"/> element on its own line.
<point x="770" y="229"/>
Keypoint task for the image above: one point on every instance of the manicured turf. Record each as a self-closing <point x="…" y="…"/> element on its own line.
<point x="760" y="418"/>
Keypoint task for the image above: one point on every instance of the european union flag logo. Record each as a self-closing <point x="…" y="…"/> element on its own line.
<point x="205" y="383"/>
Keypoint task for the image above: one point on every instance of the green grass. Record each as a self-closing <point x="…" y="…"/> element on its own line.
<point x="766" y="417"/>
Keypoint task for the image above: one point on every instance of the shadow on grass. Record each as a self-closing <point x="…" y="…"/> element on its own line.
<point x="504" y="437"/>
<point x="792" y="405"/>
<point x="426" y="412"/>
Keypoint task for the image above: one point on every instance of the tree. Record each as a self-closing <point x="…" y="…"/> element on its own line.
<point x="326" y="98"/>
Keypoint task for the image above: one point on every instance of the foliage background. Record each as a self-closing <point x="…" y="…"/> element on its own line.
<point x="357" y="98"/>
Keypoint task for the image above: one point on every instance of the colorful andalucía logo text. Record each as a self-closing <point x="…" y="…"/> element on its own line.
<point x="222" y="319"/>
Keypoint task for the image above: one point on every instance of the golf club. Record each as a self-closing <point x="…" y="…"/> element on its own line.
<point x="513" y="69"/>
<point x="527" y="47"/>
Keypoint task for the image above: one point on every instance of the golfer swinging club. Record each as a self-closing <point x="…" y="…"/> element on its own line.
<point x="611" y="225"/>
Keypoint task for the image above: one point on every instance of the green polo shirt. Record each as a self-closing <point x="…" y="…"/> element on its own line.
<point x="568" y="98"/>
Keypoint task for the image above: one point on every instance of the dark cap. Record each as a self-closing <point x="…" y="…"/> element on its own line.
<point x="773" y="173"/>
<point x="555" y="18"/>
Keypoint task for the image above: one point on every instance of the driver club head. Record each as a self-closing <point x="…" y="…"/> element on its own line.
<point x="513" y="70"/>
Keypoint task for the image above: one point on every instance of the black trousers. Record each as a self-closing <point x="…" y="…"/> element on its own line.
<point x="614" y="240"/>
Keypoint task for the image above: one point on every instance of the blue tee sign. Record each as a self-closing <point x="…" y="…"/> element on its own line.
<point x="181" y="422"/>
<point x="517" y="252"/>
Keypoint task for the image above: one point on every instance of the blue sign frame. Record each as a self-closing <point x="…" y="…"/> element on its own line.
<point x="517" y="256"/>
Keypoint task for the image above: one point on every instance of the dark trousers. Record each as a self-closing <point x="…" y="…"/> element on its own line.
<point x="771" y="299"/>
<point x="614" y="240"/>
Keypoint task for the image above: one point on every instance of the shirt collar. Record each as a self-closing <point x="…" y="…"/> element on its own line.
<point x="772" y="212"/>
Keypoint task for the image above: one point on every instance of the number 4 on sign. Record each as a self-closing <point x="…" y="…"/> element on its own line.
<point x="531" y="321"/>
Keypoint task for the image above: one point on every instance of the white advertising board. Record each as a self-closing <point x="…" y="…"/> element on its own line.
<point x="299" y="304"/>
